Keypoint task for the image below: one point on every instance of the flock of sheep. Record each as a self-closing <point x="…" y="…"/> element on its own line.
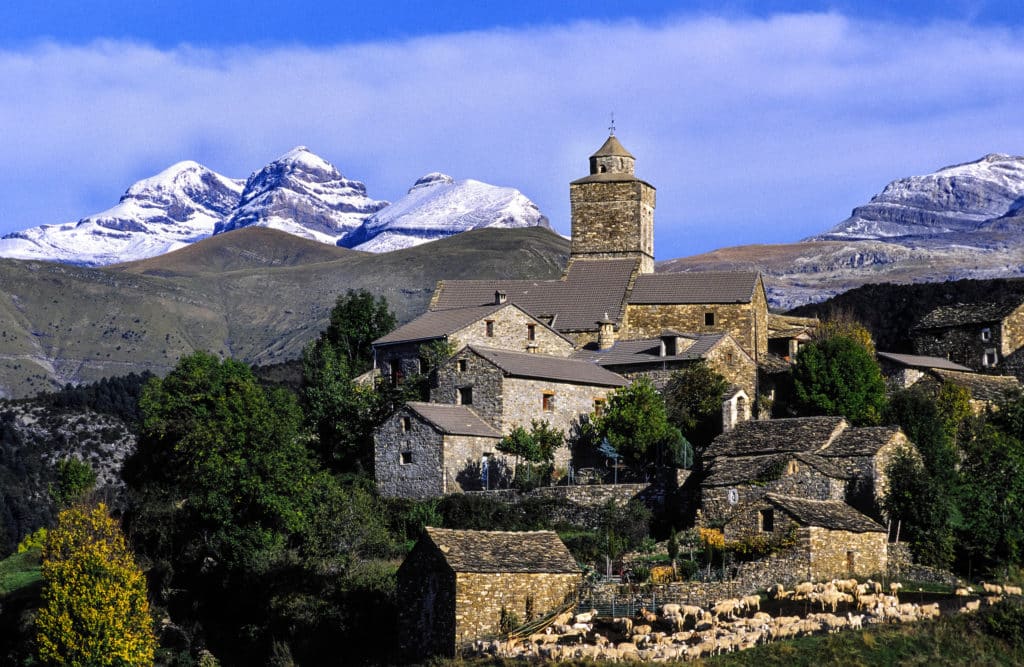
<point x="724" y="627"/>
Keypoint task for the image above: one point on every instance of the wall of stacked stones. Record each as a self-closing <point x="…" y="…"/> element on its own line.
<point x="511" y="333"/>
<point x="613" y="217"/>
<point x="422" y="476"/>
<point x="746" y="522"/>
<point x="463" y="455"/>
<point x="1012" y="332"/>
<point x="807" y="483"/>
<point x="426" y="610"/>
<point x="405" y="355"/>
<point x="729" y="360"/>
<point x="740" y="320"/>
<point x="960" y="344"/>
<point x="830" y="549"/>
<point x="582" y="505"/>
<point x="480" y="596"/>
<point x="484" y="378"/>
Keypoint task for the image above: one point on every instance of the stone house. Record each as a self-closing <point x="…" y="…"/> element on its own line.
<point x="831" y="538"/>
<point x="816" y="458"/>
<point x="500" y="324"/>
<point x="978" y="335"/>
<point x="902" y="371"/>
<point x="426" y="450"/>
<point x="454" y="584"/>
<point x="508" y="389"/>
<point x="658" y="358"/>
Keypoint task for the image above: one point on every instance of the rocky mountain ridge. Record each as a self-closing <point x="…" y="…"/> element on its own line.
<point x="299" y="193"/>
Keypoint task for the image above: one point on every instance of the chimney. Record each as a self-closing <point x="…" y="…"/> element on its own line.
<point x="605" y="333"/>
<point x="500" y="297"/>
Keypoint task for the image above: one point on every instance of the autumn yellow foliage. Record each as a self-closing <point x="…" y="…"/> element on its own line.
<point x="94" y="609"/>
<point x="711" y="538"/>
<point x="662" y="574"/>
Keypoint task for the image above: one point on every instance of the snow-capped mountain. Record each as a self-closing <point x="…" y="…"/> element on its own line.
<point x="305" y="195"/>
<point x="953" y="200"/>
<point x="178" y="206"/>
<point x="437" y="206"/>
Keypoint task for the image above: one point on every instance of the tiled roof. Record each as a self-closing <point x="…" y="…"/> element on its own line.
<point x="695" y="287"/>
<point x="802" y="434"/>
<point x="982" y="387"/>
<point x="590" y="289"/>
<point x="453" y="419"/>
<point x="629" y="352"/>
<point x="831" y="514"/>
<point x="967" y="313"/>
<point x="611" y="146"/>
<point x="863" y="441"/>
<point x="545" y="367"/>
<point x="438" y="323"/>
<point x="738" y="470"/>
<point x="492" y="551"/>
<point x="918" y="361"/>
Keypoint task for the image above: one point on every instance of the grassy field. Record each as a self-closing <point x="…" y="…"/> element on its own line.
<point x="19" y="571"/>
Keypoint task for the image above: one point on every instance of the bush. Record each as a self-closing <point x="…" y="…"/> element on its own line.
<point x="1006" y="621"/>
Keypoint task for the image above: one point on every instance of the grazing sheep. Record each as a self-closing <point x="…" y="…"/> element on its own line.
<point x="648" y="617"/>
<point x="963" y="592"/>
<point x="973" y="605"/>
<point x="856" y="621"/>
<point x="802" y="590"/>
<point x="994" y="589"/>
<point x="992" y="600"/>
<point x="725" y="608"/>
<point x="751" y="601"/>
<point x="691" y="610"/>
<point x="1012" y="590"/>
<point x="894" y="587"/>
<point x="671" y="610"/>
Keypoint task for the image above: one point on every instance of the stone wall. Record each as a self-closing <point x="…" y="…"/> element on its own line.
<point x="1012" y="332"/>
<point x="582" y="504"/>
<point x="960" y="344"/>
<point x="482" y="376"/>
<point x="805" y="483"/>
<point x="463" y="455"/>
<point x="422" y="476"/>
<point x="613" y="219"/>
<point x="735" y="365"/>
<point x="511" y="333"/>
<point x="426" y="612"/>
<point x="479" y="598"/>
<point x="832" y="551"/>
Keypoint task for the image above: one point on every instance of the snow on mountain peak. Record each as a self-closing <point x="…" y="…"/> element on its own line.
<point x="433" y="178"/>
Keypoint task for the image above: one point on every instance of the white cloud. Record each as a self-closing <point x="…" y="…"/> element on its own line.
<point x="771" y="129"/>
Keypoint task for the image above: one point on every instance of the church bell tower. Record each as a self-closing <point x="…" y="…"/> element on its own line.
<point x="612" y="209"/>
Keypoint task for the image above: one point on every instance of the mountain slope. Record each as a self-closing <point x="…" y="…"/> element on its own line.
<point x="437" y="206"/>
<point x="180" y="205"/>
<point x="61" y="323"/>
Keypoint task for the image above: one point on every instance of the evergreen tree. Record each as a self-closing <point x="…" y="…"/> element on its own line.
<point x="839" y="376"/>
<point x="636" y="424"/>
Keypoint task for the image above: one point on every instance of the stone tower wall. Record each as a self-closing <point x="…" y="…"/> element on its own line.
<point x="613" y="219"/>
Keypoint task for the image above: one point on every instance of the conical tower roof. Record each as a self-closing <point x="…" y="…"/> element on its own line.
<point x="612" y="147"/>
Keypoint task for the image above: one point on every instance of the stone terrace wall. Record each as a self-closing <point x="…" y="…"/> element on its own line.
<point x="829" y="549"/>
<point x="580" y="504"/>
<point x="479" y="598"/>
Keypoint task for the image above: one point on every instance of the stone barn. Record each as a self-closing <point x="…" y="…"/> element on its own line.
<point x="426" y="450"/>
<point x="832" y="539"/>
<point x="454" y="584"/>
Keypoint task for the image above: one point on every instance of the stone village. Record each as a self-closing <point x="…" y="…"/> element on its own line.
<point x="522" y="350"/>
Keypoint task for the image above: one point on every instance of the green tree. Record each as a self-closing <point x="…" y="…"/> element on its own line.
<point x="838" y="376"/>
<point x="94" y="595"/>
<point x="75" y="480"/>
<point x="636" y="424"/>
<point x="357" y="319"/>
<point x="536" y="445"/>
<point x="693" y="400"/>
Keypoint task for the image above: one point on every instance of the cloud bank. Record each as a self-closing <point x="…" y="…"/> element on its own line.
<point x="753" y="130"/>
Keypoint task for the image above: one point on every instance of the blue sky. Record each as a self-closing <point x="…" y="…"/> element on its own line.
<point x="757" y="121"/>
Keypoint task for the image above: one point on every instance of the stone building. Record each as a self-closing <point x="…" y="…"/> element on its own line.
<point x="454" y="584"/>
<point x="426" y="450"/>
<point x="902" y="371"/>
<point x="978" y="335"/>
<point x="816" y="458"/>
<point x="500" y="324"/>
<point x="831" y="538"/>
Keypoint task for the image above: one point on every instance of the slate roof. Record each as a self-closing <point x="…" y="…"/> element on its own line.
<point x="694" y="287"/>
<point x="611" y="146"/>
<point x="497" y="551"/>
<point x="590" y="289"/>
<point x="545" y="367"/>
<point x="831" y="514"/>
<point x="754" y="437"/>
<point x="967" y="313"/>
<point x="438" y="323"/>
<point x="772" y="363"/>
<point x="863" y="441"/>
<point x="739" y="470"/>
<point x="453" y="419"/>
<point x="631" y="352"/>
<point x="919" y="361"/>
<point x="982" y="387"/>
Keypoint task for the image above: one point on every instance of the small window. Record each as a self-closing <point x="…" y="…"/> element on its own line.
<point x="986" y="334"/>
<point x="990" y="358"/>
<point x="396" y="374"/>
<point x="489" y="328"/>
<point x="548" y="401"/>
<point x="793" y="468"/>
<point x="406" y="458"/>
<point x="463" y="365"/>
<point x="531" y="332"/>
<point x="465" y="396"/>
<point x="766" y="521"/>
<point x="729" y="358"/>
<point x="709" y="319"/>
<point x="406" y="424"/>
<point x="598" y="407"/>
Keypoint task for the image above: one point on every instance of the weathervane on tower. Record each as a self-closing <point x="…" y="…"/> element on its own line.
<point x="611" y="128"/>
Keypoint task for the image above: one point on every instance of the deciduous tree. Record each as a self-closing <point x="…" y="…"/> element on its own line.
<point x="838" y="376"/>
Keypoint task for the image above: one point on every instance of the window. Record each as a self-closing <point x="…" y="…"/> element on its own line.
<point x="531" y="332"/>
<point x="489" y="328"/>
<point x="986" y="334"/>
<point x="406" y="424"/>
<point x="406" y="458"/>
<point x="766" y="521"/>
<point x="990" y="358"/>
<point x="793" y="468"/>
<point x="463" y="365"/>
<point x="709" y="319"/>
<point x="465" y="396"/>
<point x="728" y="358"/>
<point x="548" y="401"/>
<point x="396" y="374"/>
<point x="598" y="407"/>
